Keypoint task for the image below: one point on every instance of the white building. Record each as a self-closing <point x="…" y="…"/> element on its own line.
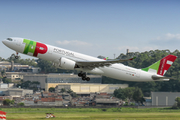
<point x="164" y="98"/>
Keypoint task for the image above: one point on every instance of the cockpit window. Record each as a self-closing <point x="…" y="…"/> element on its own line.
<point x="9" y="39"/>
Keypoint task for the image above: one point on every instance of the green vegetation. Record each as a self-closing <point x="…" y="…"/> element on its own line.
<point x="177" y="104"/>
<point x="6" y="80"/>
<point x="72" y="93"/>
<point x="178" y="101"/>
<point x="93" y="113"/>
<point x="47" y="67"/>
<point x="84" y="110"/>
<point x="130" y="93"/>
<point x="51" y="89"/>
<point x="30" y="62"/>
<point x="8" y="102"/>
<point x="21" y="104"/>
<point x="29" y="85"/>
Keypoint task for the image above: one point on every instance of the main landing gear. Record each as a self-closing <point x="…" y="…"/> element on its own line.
<point x="84" y="77"/>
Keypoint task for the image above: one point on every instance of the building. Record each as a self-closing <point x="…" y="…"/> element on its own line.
<point x="4" y="85"/>
<point x="71" y="78"/>
<point x="36" y="77"/>
<point x="52" y="80"/>
<point x="16" y="71"/>
<point x="11" y="66"/>
<point x="14" y="92"/>
<point x="15" y="76"/>
<point x="87" y="89"/>
<point x="164" y="98"/>
<point x="17" y="67"/>
<point x="105" y="99"/>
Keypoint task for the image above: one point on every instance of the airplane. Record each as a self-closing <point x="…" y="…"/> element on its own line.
<point x="66" y="59"/>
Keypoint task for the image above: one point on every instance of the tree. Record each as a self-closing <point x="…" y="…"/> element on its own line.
<point x="63" y="90"/>
<point x="3" y="73"/>
<point x="69" y="91"/>
<point x="73" y="94"/>
<point x="29" y="85"/>
<point x="8" y="102"/>
<point x="51" y="89"/>
<point x="21" y="104"/>
<point x="6" y="80"/>
<point x="138" y="95"/>
<point x="178" y="101"/>
<point x="12" y="102"/>
<point x="119" y="93"/>
<point x="128" y="92"/>
<point x="46" y="66"/>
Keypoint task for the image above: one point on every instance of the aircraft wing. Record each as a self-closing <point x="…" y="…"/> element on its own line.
<point x="94" y="64"/>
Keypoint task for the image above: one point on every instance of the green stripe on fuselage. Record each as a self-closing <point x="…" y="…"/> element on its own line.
<point x="29" y="47"/>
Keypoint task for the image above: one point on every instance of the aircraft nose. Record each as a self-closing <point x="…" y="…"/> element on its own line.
<point x="4" y="42"/>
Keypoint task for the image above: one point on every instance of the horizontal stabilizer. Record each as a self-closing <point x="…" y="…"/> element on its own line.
<point x="155" y="77"/>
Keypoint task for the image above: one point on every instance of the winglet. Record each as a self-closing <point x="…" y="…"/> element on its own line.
<point x="106" y="58"/>
<point x="132" y="58"/>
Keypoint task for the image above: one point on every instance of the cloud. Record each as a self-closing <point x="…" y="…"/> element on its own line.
<point x="169" y="36"/>
<point x="168" y="40"/>
<point x="73" y="43"/>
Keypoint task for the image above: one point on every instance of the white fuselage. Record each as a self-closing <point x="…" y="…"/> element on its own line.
<point x="116" y="71"/>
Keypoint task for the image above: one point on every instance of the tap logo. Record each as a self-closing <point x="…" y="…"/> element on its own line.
<point x="34" y="47"/>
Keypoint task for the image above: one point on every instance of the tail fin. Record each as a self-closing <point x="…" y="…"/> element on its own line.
<point x="161" y="66"/>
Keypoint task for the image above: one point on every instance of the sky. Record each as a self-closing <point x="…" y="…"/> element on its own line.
<point x="93" y="27"/>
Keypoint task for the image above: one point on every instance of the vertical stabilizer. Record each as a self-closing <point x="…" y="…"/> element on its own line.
<point x="161" y="66"/>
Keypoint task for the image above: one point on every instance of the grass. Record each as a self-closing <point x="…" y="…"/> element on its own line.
<point x="93" y="113"/>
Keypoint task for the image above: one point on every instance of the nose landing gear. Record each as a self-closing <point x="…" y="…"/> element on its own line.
<point x="84" y="77"/>
<point x="16" y="56"/>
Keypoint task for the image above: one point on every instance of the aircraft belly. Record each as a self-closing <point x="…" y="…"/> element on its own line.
<point x="121" y="72"/>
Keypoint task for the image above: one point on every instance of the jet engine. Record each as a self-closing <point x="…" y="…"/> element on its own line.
<point x="67" y="63"/>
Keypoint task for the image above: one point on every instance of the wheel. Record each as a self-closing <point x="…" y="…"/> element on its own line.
<point x="88" y="79"/>
<point x="83" y="78"/>
<point x="16" y="57"/>
<point x="79" y="74"/>
<point x="84" y="75"/>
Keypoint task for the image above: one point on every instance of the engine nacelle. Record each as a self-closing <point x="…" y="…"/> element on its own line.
<point x="67" y="64"/>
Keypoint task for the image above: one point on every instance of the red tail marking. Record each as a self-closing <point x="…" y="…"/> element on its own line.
<point x="163" y="64"/>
